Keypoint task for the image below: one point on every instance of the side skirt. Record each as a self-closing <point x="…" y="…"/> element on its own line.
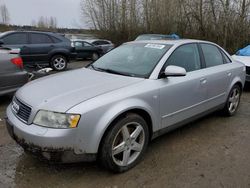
<point x="182" y="123"/>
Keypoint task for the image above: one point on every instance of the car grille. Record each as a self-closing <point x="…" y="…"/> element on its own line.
<point x="248" y="70"/>
<point x="22" y="110"/>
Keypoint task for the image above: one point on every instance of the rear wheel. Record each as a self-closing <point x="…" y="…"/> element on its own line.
<point x="59" y="62"/>
<point x="124" y="144"/>
<point x="233" y="101"/>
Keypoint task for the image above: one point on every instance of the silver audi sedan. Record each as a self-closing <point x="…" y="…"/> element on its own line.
<point x="111" y="110"/>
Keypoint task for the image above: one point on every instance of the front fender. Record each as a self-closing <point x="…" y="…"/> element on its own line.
<point x="96" y="122"/>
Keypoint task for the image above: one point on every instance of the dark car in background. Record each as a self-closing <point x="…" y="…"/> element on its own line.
<point x="105" y="45"/>
<point x="86" y="50"/>
<point x="40" y="48"/>
<point x="12" y="74"/>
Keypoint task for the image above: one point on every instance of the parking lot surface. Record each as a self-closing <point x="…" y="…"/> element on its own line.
<point x="211" y="152"/>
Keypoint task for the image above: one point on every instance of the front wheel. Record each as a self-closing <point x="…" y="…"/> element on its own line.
<point x="124" y="144"/>
<point x="233" y="101"/>
<point x="59" y="62"/>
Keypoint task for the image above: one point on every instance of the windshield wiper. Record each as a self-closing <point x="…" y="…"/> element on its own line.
<point x="110" y="71"/>
<point x="96" y="68"/>
<point x="117" y="72"/>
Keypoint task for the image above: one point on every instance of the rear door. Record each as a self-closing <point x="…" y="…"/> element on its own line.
<point x="183" y="97"/>
<point x="40" y="46"/>
<point x="218" y="75"/>
<point x="84" y="49"/>
<point x="80" y="49"/>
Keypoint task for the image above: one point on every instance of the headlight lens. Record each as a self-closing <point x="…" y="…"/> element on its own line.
<point x="56" y="120"/>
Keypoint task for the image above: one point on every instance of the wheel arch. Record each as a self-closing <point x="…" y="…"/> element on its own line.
<point x="236" y="81"/>
<point x="59" y="53"/>
<point x="239" y="84"/>
<point x="139" y="111"/>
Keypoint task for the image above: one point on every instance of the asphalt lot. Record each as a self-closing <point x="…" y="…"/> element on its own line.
<point x="211" y="152"/>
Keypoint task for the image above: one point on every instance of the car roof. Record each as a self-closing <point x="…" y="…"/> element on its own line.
<point x="79" y="40"/>
<point x="172" y="42"/>
<point x="28" y="31"/>
<point x="57" y="35"/>
<point x="93" y="40"/>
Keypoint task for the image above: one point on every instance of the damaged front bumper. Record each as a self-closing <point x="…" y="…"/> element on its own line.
<point x="56" y="145"/>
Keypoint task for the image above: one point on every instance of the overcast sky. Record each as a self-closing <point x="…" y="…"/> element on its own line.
<point x="67" y="12"/>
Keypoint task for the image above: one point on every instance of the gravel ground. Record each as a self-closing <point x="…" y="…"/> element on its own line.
<point x="211" y="152"/>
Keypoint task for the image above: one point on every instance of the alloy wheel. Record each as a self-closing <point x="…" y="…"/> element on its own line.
<point x="59" y="63"/>
<point x="234" y="100"/>
<point x="128" y="144"/>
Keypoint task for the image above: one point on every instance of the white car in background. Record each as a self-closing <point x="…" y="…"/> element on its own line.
<point x="246" y="61"/>
<point x="105" y="45"/>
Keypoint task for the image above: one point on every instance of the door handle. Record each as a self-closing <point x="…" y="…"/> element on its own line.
<point x="203" y="81"/>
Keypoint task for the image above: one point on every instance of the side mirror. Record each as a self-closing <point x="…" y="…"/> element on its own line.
<point x="174" y="71"/>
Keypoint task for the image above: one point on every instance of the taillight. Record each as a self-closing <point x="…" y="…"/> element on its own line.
<point x="18" y="62"/>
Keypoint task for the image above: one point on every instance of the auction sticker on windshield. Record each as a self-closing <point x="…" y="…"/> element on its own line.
<point x="155" y="46"/>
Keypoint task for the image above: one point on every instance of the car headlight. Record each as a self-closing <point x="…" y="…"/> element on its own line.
<point x="56" y="120"/>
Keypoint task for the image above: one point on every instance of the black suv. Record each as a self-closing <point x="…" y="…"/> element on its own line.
<point x="40" y="48"/>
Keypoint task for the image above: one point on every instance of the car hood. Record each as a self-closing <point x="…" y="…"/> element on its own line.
<point x="243" y="59"/>
<point x="62" y="91"/>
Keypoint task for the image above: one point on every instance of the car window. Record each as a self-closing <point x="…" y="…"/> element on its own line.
<point x="96" y="43"/>
<point x="86" y="44"/>
<point x="227" y="59"/>
<point x="16" y="38"/>
<point x="212" y="55"/>
<point x="56" y="40"/>
<point x="103" y="42"/>
<point x="137" y="59"/>
<point x="37" y="38"/>
<point x="186" y="56"/>
<point x="78" y="44"/>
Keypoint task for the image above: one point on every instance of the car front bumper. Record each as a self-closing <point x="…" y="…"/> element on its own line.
<point x="56" y="145"/>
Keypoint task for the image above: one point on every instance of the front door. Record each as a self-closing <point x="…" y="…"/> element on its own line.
<point x="183" y="97"/>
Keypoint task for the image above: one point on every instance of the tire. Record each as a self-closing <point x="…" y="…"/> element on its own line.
<point x="95" y="56"/>
<point x="233" y="101"/>
<point x="120" y="151"/>
<point x="59" y="62"/>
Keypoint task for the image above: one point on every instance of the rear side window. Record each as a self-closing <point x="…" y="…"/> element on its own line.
<point x="227" y="60"/>
<point x="78" y="44"/>
<point x="86" y="44"/>
<point x="96" y="43"/>
<point x="16" y="38"/>
<point x="103" y="42"/>
<point x="56" y="40"/>
<point x="212" y="55"/>
<point x="37" y="38"/>
<point x="186" y="56"/>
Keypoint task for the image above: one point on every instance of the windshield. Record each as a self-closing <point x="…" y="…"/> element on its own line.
<point x="136" y="60"/>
